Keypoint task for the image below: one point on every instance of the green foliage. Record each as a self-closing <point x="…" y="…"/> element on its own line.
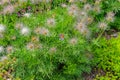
<point x="6" y="68"/>
<point x="106" y="55"/>
<point x="116" y="24"/>
<point x="68" y="62"/>
<point x="42" y="65"/>
<point x="108" y="76"/>
<point x="55" y="57"/>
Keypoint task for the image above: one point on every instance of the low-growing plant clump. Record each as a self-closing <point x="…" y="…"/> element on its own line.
<point x="108" y="60"/>
<point x="58" y="39"/>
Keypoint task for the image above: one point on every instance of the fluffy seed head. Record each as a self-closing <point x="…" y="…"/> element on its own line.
<point x="9" y="79"/>
<point x="111" y="14"/>
<point x="44" y="31"/>
<point x="73" y="41"/>
<point x="35" y="39"/>
<point x="1" y="49"/>
<point x="102" y="25"/>
<point x="46" y="1"/>
<point x="27" y="15"/>
<point x="85" y="31"/>
<point x="63" y="5"/>
<point x="3" y="58"/>
<point x="25" y="31"/>
<point x="71" y="1"/>
<point x="51" y="22"/>
<point x="19" y="26"/>
<point x="61" y="36"/>
<point x="97" y="2"/>
<point x="89" y="20"/>
<point x="36" y="1"/>
<point x="73" y="7"/>
<point x="97" y="9"/>
<point x="53" y="50"/>
<point x="8" y="9"/>
<point x="2" y="2"/>
<point x="9" y="49"/>
<point x="73" y="10"/>
<point x="83" y="13"/>
<point x="80" y="26"/>
<point x="110" y="17"/>
<point x="37" y="30"/>
<point x="1" y="35"/>
<point x="30" y="46"/>
<point x="87" y="7"/>
<point x="2" y="28"/>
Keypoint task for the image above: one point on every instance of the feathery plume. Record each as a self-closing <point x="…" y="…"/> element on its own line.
<point x="63" y="5"/>
<point x="30" y="46"/>
<point x="73" y="41"/>
<point x="37" y="30"/>
<point x="51" y="22"/>
<point x="97" y="9"/>
<point x="44" y="31"/>
<point x="2" y="28"/>
<point x="73" y="10"/>
<point x="102" y="25"/>
<point x="3" y="58"/>
<point x="35" y="39"/>
<point x="9" y="9"/>
<point x="19" y="26"/>
<point x="9" y="49"/>
<point x="110" y="17"/>
<point x="27" y="15"/>
<point x="97" y="2"/>
<point x="53" y="50"/>
<point x="2" y="2"/>
<point x="1" y="49"/>
<point x="61" y="36"/>
<point x="25" y="31"/>
<point x="87" y="7"/>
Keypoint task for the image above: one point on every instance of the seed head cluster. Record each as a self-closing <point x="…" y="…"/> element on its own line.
<point x="38" y="34"/>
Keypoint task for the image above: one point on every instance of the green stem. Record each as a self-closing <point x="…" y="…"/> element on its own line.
<point x="100" y="35"/>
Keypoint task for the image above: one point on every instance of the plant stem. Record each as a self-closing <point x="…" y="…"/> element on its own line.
<point x="100" y="35"/>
